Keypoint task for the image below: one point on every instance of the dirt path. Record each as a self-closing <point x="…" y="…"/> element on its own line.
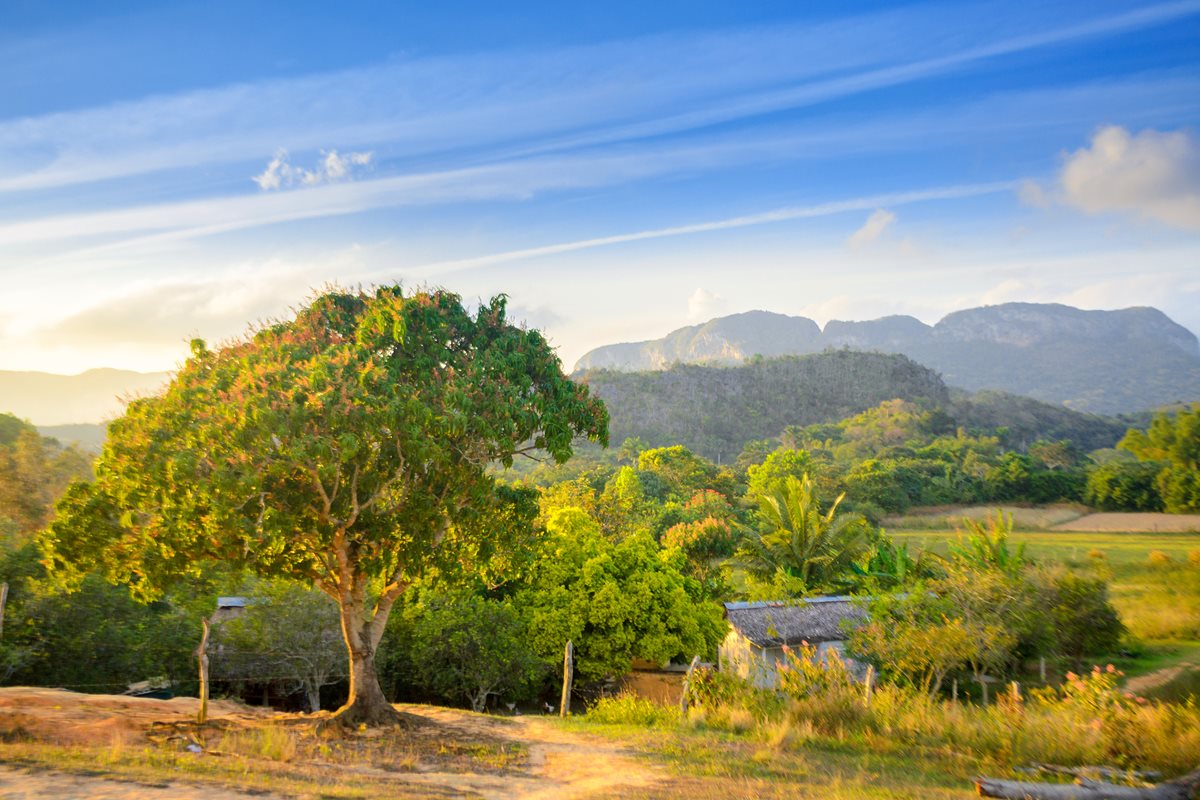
<point x="1159" y="678"/>
<point x="561" y="764"/>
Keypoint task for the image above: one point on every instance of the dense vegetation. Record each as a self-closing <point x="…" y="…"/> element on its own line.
<point x="715" y="410"/>
<point x="627" y="553"/>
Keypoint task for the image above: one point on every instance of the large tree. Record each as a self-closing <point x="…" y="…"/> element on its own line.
<point x="348" y="447"/>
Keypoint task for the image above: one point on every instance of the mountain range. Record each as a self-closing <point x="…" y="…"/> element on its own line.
<point x="1106" y="362"/>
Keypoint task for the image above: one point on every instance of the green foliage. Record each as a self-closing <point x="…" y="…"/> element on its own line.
<point x="1124" y="486"/>
<point x="680" y="472"/>
<point x="889" y="485"/>
<point x="614" y="601"/>
<point x="1083" y="618"/>
<point x="915" y="638"/>
<point x="94" y="639"/>
<point x="468" y="646"/>
<point x="707" y="535"/>
<point x="986" y="545"/>
<point x="1088" y="720"/>
<point x="768" y="478"/>
<point x="799" y="545"/>
<point x="34" y="470"/>
<point x="1174" y="439"/>
<point x="288" y="635"/>
<point x="623" y="507"/>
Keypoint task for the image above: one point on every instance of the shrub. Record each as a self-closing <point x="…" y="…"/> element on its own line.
<point x="1158" y="558"/>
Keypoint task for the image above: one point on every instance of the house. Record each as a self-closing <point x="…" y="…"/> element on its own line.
<point x="758" y="632"/>
<point x="228" y="608"/>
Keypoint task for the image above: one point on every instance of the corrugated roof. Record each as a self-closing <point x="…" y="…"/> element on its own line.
<point x="813" y="620"/>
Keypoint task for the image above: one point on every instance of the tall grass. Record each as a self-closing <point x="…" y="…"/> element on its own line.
<point x="1086" y="721"/>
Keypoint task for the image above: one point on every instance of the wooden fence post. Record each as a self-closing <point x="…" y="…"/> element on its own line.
<point x="202" y="656"/>
<point x="954" y="691"/>
<point x="3" y="601"/>
<point x="687" y="686"/>
<point x="869" y="685"/>
<point x="1042" y="668"/>
<point x="1015" y="688"/>
<point x="564" y="709"/>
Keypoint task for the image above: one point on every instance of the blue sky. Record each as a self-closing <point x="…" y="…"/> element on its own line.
<point x="169" y="170"/>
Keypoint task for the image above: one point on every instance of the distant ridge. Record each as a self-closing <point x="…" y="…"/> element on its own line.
<point x="90" y="397"/>
<point x="1106" y="362"/>
<point x="715" y="410"/>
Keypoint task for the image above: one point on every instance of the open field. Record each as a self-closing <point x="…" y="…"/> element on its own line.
<point x="57" y="743"/>
<point x="1118" y="547"/>
<point x="1061" y="517"/>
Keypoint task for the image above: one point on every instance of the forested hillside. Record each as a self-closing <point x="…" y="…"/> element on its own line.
<point x="1106" y="362"/>
<point x="715" y="410"/>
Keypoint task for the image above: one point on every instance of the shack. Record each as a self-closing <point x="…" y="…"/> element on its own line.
<point x="758" y="632"/>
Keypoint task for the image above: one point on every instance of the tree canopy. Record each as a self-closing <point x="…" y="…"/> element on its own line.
<point x="348" y="447"/>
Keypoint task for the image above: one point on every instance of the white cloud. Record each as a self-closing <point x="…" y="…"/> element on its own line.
<point x="704" y="305"/>
<point x="280" y="173"/>
<point x="1151" y="174"/>
<point x="879" y="221"/>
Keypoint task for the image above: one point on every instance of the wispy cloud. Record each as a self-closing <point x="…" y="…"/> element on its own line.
<point x="763" y="218"/>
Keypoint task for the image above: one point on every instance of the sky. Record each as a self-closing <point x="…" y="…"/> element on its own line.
<point x="171" y="170"/>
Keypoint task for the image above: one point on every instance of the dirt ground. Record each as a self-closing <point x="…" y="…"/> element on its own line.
<point x="1133" y="523"/>
<point x="553" y="764"/>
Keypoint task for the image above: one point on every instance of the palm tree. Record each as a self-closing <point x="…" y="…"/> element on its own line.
<point x="800" y="541"/>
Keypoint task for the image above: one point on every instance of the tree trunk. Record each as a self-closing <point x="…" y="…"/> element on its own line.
<point x="313" y="691"/>
<point x="366" y="704"/>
